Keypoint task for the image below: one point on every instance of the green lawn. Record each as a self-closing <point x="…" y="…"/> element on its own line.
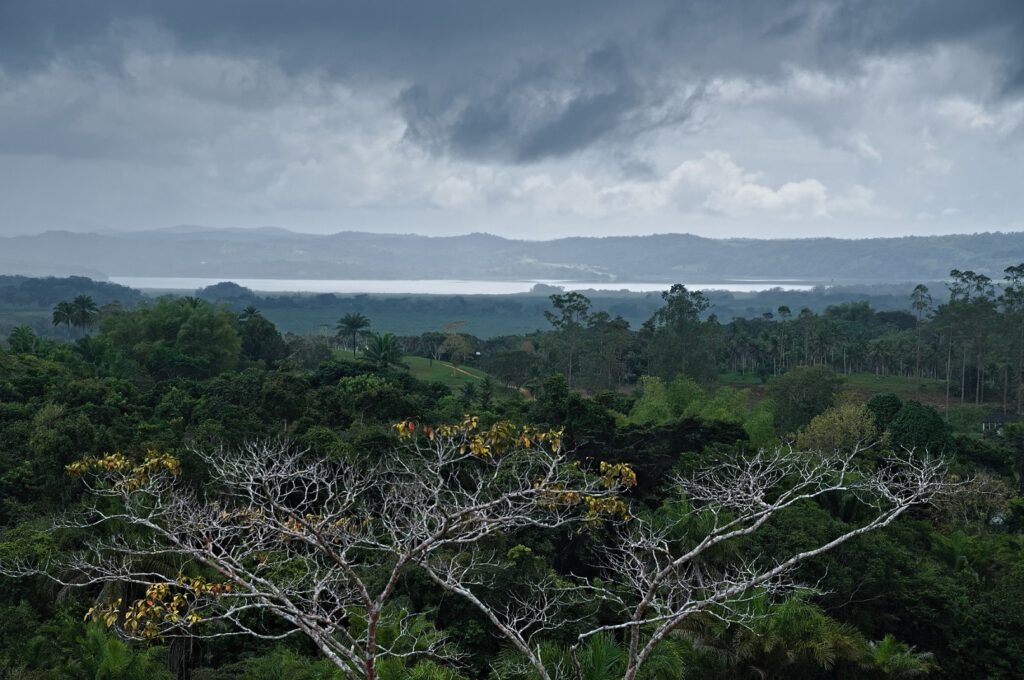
<point x="444" y="373"/>
<point x="440" y="372"/>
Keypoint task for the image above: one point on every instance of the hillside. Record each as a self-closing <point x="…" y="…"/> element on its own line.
<point x="277" y="253"/>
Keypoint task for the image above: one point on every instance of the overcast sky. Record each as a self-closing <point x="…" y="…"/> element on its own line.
<point x="527" y="119"/>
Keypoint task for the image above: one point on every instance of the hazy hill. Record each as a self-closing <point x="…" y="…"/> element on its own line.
<point x="277" y="253"/>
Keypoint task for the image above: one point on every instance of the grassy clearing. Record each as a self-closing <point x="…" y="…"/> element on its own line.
<point x="861" y="386"/>
<point x="444" y="373"/>
<point x="926" y="390"/>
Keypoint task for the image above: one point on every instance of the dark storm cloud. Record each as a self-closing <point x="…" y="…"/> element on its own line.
<point x="414" y="37"/>
<point x="519" y="80"/>
<point x="537" y="113"/>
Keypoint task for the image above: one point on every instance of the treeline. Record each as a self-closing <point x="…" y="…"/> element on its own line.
<point x="972" y="340"/>
<point x="28" y="301"/>
<point x="46" y="292"/>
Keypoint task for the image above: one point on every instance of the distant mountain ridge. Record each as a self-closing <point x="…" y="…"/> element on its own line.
<point x="270" y="252"/>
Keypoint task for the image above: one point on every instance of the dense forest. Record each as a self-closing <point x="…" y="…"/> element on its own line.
<point x="186" y="492"/>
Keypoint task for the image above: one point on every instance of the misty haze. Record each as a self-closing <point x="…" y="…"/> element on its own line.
<point x="455" y="340"/>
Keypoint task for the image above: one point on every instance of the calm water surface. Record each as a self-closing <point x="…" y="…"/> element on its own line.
<point x="434" y="286"/>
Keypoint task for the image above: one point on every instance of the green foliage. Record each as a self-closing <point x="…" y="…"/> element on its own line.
<point x="600" y="657"/>
<point x="384" y="349"/>
<point x="260" y="340"/>
<point x="175" y="339"/>
<point x="894" y="659"/>
<point x="101" y="656"/>
<point x="760" y="426"/>
<point x="726" y="404"/>
<point x="840" y="428"/>
<point x="280" y="664"/>
<point x="802" y="393"/>
<point x="678" y="342"/>
<point x="792" y="638"/>
<point x="652" y="406"/>
<point x="939" y="592"/>
<point x="22" y="340"/>
<point x="684" y="393"/>
<point x="920" y="427"/>
<point x="884" y="408"/>
<point x="965" y="419"/>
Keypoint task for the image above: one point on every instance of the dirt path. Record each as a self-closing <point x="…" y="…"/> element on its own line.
<point x="456" y="369"/>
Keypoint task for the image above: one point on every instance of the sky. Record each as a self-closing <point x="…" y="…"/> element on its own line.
<point x="523" y="118"/>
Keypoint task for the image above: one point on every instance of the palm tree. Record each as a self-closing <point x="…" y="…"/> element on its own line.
<point x="597" y="658"/>
<point x="22" y="340"/>
<point x="102" y="655"/>
<point x="64" y="313"/>
<point x="351" y="325"/>
<point x="896" y="659"/>
<point x="384" y="349"/>
<point x="248" y="313"/>
<point x="85" y="311"/>
<point x="792" y="637"/>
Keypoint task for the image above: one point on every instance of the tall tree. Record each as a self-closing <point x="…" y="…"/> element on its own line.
<point x="1013" y="304"/>
<point x="572" y="311"/>
<point x="678" y="342"/>
<point x="84" y="312"/>
<point x="921" y="301"/>
<point x="351" y="325"/>
<point x="64" y="313"/>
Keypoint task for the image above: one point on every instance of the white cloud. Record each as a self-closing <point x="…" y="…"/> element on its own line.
<point x="730" y="190"/>
<point x="965" y="114"/>
<point x="861" y="144"/>
<point x="712" y="184"/>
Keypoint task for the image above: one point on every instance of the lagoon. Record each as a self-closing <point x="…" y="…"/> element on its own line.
<point x="435" y="286"/>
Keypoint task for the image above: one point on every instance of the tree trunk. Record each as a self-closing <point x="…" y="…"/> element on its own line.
<point x="371" y="645"/>
<point x="949" y="365"/>
<point x="1006" y="385"/>
<point x="963" y="376"/>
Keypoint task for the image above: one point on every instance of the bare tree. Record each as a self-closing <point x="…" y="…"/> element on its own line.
<point x="659" y="581"/>
<point x="301" y="545"/>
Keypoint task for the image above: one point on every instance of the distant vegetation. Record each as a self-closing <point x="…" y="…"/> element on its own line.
<point x="276" y="253"/>
<point x="30" y="301"/>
